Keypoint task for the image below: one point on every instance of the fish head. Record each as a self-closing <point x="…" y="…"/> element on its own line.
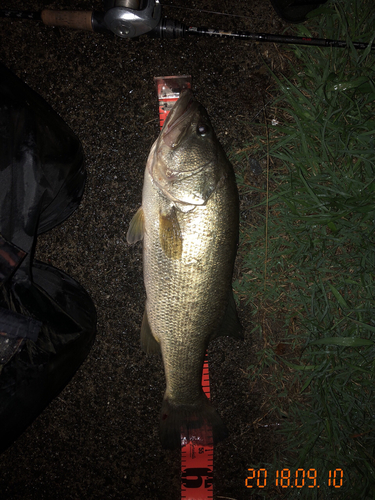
<point x="186" y="161"/>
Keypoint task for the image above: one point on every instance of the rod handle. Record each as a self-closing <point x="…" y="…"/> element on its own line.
<point x="75" y="19"/>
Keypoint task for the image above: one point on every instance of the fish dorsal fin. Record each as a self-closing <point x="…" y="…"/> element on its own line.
<point x="170" y="234"/>
<point x="148" y="342"/>
<point x="136" y="228"/>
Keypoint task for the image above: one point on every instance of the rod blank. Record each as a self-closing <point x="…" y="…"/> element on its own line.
<point x="265" y="37"/>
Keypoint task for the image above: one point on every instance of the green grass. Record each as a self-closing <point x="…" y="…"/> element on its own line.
<point x="308" y="255"/>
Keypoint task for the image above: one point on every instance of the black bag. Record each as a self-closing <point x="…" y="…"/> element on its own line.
<point x="47" y="320"/>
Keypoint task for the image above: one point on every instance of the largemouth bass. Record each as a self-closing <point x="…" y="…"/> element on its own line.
<point x="189" y="225"/>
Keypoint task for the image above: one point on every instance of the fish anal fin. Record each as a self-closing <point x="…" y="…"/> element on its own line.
<point x="230" y="325"/>
<point x="170" y="234"/>
<point x="136" y="228"/>
<point x="148" y="342"/>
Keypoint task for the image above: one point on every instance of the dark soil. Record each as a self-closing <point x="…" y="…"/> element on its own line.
<point x="99" y="438"/>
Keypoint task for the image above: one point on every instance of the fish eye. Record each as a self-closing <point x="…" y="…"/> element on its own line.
<point x="202" y="129"/>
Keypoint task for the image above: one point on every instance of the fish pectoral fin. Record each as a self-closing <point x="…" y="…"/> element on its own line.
<point x="148" y="342"/>
<point x="136" y="227"/>
<point x="170" y="234"/>
<point x="230" y="325"/>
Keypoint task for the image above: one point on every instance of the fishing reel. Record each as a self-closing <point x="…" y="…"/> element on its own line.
<point x="123" y="18"/>
<point x="131" y="18"/>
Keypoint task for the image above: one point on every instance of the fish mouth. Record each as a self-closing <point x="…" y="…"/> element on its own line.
<point x="177" y="121"/>
<point x="168" y="170"/>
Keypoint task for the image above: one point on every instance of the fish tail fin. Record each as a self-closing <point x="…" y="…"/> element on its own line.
<point x="199" y="423"/>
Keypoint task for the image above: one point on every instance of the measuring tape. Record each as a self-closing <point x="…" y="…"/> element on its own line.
<point x="197" y="461"/>
<point x="169" y="89"/>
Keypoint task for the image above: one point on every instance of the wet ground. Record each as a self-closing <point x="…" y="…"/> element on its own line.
<point x="98" y="439"/>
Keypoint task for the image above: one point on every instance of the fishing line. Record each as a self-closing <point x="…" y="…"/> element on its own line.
<point x="267" y="197"/>
<point x="205" y="11"/>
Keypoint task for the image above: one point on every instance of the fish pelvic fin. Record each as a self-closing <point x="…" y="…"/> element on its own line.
<point x="182" y="423"/>
<point x="170" y="234"/>
<point x="136" y="228"/>
<point x="148" y="342"/>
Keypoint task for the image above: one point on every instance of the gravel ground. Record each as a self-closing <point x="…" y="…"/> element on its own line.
<point x="98" y="439"/>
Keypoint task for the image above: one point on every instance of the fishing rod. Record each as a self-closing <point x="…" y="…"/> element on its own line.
<point x="130" y="19"/>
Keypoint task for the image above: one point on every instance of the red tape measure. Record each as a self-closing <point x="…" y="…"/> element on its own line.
<point x="197" y="461"/>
